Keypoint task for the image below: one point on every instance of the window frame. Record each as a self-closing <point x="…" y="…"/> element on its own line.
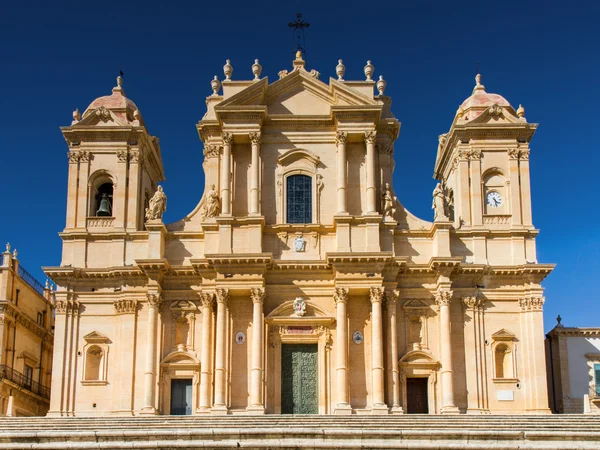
<point x="287" y="197"/>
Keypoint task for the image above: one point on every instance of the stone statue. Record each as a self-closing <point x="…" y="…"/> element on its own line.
<point x="157" y="206"/>
<point x="388" y="202"/>
<point x="213" y="204"/>
<point x="439" y="204"/>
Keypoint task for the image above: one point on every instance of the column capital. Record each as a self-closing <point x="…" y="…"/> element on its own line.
<point x="125" y="306"/>
<point x="392" y="298"/>
<point x="377" y="294"/>
<point x="257" y="295"/>
<point x="534" y="303"/>
<point x="255" y="137"/>
<point x="340" y="295"/>
<point x="443" y="297"/>
<point x="222" y="295"/>
<point x="207" y="299"/>
<point x="212" y="150"/>
<point x="227" y="138"/>
<point x="154" y="299"/>
<point x="370" y="137"/>
<point x="341" y="137"/>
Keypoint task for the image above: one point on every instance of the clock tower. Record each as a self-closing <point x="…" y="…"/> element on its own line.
<point x="483" y="164"/>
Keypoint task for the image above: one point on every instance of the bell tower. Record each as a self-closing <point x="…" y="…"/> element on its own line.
<point x="483" y="164"/>
<point x="114" y="168"/>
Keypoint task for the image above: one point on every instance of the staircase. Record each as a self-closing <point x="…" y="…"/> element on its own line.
<point x="303" y="432"/>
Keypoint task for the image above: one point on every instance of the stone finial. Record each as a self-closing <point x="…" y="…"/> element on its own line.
<point x="340" y="69"/>
<point x="137" y="115"/>
<point x="521" y="115"/>
<point x="381" y="84"/>
<point x="76" y="116"/>
<point x="256" y="70"/>
<point x="299" y="55"/>
<point x="558" y="321"/>
<point x="120" y="81"/>
<point x="215" y="84"/>
<point x="369" y="69"/>
<point x="15" y="253"/>
<point x="8" y="247"/>
<point x="228" y="70"/>
<point x="47" y="285"/>
<point x="478" y="85"/>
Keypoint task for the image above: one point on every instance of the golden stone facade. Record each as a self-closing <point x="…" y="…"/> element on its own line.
<point x="299" y="283"/>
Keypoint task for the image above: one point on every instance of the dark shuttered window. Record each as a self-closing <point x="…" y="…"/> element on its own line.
<point x="299" y="199"/>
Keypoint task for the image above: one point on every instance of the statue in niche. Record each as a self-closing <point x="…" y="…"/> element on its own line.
<point x="182" y="329"/>
<point x="416" y="332"/>
<point x="439" y="204"/>
<point x="157" y="205"/>
<point x="212" y="208"/>
<point x="388" y="202"/>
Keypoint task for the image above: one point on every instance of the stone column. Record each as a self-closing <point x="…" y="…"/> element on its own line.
<point x="525" y="186"/>
<point x="120" y="188"/>
<point x="219" y="405"/>
<point x="340" y="140"/>
<point x="376" y="297"/>
<point x="256" y="391"/>
<point x="370" y="137"/>
<point x="206" y="301"/>
<point x="126" y="310"/>
<point x="340" y="297"/>
<point x="463" y="204"/>
<point x="154" y="300"/>
<point x="255" y="140"/>
<point x="476" y="196"/>
<point x="477" y="396"/>
<point x="135" y="195"/>
<point x="515" y="186"/>
<point x="226" y="174"/>
<point x="443" y="298"/>
<point x="73" y="189"/>
<point x="392" y="320"/>
<point x="85" y="200"/>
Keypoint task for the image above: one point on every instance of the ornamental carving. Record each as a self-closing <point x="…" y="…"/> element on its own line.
<point x="122" y="155"/>
<point x="84" y="156"/>
<point x="227" y="138"/>
<point x="135" y="156"/>
<point x="443" y="298"/>
<point x="496" y="111"/>
<point x="299" y="306"/>
<point x="341" y="137"/>
<point x="340" y="295"/>
<point x="103" y="114"/>
<point x="212" y="151"/>
<point x="370" y="137"/>
<point x="377" y="294"/>
<point x="73" y="156"/>
<point x="125" y="306"/>
<point x="255" y="138"/>
<point x="391" y="298"/>
<point x="257" y="295"/>
<point x="212" y="207"/>
<point x="513" y="153"/>
<point x="157" y="206"/>
<point x="222" y="295"/>
<point x="535" y="303"/>
<point x="154" y="300"/>
<point x="524" y="155"/>
<point x="207" y="299"/>
<point x="386" y="148"/>
<point x="68" y="307"/>
<point x="474" y="302"/>
<point x="475" y="155"/>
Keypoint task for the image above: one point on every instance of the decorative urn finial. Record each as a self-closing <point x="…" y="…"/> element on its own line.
<point x="558" y="320"/>
<point x="299" y="55"/>
<point x="76" y="116"/>
<point x="340" y="69"/>
<point x="8" y="247"/>
<point x="15" y="253"/>
<point x="119" y="81"/>
<point x="381" y="84"/>
<point x="369" y="69"/>
<point x="228" y="70"/>
<point x="478" y="79"/>
<point x="215" y="84"/>
<point x="521" y="114"/>
<point x="256" y="70"/>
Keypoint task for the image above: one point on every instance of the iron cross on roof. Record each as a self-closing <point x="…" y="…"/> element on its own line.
<point x="298" y="28"/>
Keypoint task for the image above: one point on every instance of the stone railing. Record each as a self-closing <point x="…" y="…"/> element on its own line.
<point x="503" y="219"/>
<point x="25" y="382"/>
<point x="100" y="222"/>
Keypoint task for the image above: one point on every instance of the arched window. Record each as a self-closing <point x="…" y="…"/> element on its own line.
<point x="103" y="200"/>
<point x="502" y="362"/>
<point x="93" y="363"/>
<point x="299" y="199"/>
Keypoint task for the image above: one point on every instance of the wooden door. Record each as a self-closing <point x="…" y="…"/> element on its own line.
<point x="416" y="396"/>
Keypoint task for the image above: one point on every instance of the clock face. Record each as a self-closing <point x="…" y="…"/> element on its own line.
<point x="493" y="199"/>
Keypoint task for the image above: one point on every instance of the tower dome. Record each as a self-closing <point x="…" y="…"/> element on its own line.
<point x="120" y="105"/>
<point x="479" y="101"/>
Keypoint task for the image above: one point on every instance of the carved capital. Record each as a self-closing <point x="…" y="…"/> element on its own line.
<point x="135" y="156"/>
<point x="377" y="294"/>
<point x="534" y="303"/>
<point x="386" y="148"/>
<point x="475" y="155"/>
<point x="513" y="153"/>
<point x="341" y="137"/>
<point x="340" y="295"/>
<point x="255" y="138"/>
<point x="473" y="302"/>
<point x="463" y="155"/>
<point x="524" y="155"/>
<point x="227" y="138"/>
<point x="122" y="155"/>
<point x="391" y="298"/>
<point x="212" y="151"/>
<point x="222" y="295"/>
<point x="154" y="300"/>
<point x="257" y="295"/>
<point x="125" y="306"/>
<point x="207" y="299"/>
<point x="84" y="156"/>
<point x="370" y="137"/>
<point x="443" y="298"/>
<point x="73" y="156"/>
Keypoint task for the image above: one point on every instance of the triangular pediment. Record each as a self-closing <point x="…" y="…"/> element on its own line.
<point x="503" y="335"/>
<point x="496" y="115"/>
<point x="414" y="304"/>
<point x="101" y="117"/>
<point x="95" y="338"/>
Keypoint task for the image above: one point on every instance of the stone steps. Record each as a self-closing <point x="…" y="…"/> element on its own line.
<point x="306" y="432"/>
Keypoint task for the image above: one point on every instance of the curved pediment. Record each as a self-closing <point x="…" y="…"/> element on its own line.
<point x="418" y="357"/>
<point x="180" y="358"/>
<point x="287" y="310"/>
<point x="298" y="153"/>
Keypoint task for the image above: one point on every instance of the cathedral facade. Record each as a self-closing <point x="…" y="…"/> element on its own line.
<point x="299" y="283"/>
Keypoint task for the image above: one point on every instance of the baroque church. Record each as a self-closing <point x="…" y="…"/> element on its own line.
<point x="299" y="283"/>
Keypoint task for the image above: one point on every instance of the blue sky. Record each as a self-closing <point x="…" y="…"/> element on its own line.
<point x="58" y="56"/>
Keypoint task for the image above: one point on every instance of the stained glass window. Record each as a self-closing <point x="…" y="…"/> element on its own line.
<point x="299" y="199"/>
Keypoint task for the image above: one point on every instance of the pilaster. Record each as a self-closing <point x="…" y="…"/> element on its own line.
<point x="443" y="298"/>
<point x="376" y="296"/>
<point x="257" y="406"/>
<point x="220" y="405"/>
<point x="342" y="407"/>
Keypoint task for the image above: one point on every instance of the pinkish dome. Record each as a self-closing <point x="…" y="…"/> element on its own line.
<point x="120" y="105"/>
<point x="479" y="101"/>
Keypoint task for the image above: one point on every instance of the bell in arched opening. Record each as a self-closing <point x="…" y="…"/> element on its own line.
<point x="104" y="209"/>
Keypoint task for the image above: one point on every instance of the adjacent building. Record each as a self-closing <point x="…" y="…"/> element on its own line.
<point x="299" y="283"/>
<point x="26" y="340"/>
<point x="573" y="363"/>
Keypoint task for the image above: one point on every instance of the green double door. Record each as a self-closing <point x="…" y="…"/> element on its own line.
<point x="299" y="383"/>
